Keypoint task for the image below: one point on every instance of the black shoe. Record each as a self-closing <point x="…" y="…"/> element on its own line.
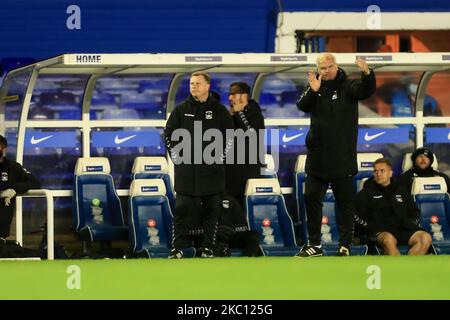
<point x="343" y="251"/>
<point x="207" y="253"/>
<point x="175" y="254"/>
<point x="310" y="251"/>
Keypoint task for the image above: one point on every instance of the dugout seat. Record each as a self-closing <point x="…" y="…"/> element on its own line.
<point x="93" y="181"/>
<point x="269" y="170"/>
<point x="267" y="214"/>
<point x="432" y="199"/>
<point x="155" y="168"/>
<point x="149" y="219"/>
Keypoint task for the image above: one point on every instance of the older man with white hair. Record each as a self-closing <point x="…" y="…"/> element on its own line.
<point x="332" y="100"/>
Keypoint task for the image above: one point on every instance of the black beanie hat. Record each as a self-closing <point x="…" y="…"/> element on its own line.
<point x="425" y="151"/>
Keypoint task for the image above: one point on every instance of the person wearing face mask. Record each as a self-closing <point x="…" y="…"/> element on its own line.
<point x="332" y="101"/>
<point x="422" y="160"/>
<point x="386" y="213"/>
<point x="14" y="179"/>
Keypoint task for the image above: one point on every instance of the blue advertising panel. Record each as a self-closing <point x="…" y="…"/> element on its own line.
<point x="111" y="139"/>
<point x="51" y="139"/>
<point x="437" y="135"/>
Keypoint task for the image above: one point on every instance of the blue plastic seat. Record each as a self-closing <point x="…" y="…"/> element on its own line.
<point x="154" y="168"/>
<point x="149" y="218"/>
<point x="299" y="191"/>
<point x="269" y="171"/>
<point x="432" y="199"/>
<point x="120" y="114"/>
<point x="267" y="214"/>
<point x="93" y="181"/>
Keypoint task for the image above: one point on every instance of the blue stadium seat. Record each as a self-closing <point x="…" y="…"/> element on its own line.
<point x="299" y="191"/>
<point x="120" y="114"/>
<point x="365" y="168"/>
<point x="93" y="181"/>
<point x="154" y="86"/>
<point x="289" y="98"/>
<point x="269" y="171"/>
<point x="268" y="99"/>
<point x="59" y="101"/>
<point x="267" y="214"/>
<point x="149" y="219"/>
<point x="432" y="199"/>
<point x="154" y="168"/>
<point x="147" y="104"/>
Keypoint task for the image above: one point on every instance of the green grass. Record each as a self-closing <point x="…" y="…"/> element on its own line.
<point x="405" y="277"/>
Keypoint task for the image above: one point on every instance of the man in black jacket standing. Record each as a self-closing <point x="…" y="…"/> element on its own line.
<point x="249" y="140"/>
<point x="199" y="168"/>
<point x="422" y="159"/>
<point x="14" y="179"/>
<point x="332" y="101"/>
<point x="387" y="213"/>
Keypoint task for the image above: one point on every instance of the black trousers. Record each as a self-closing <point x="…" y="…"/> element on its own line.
<point x="344" y="194"/>
<point x="248" y="241"/>
<point x="186" y="214"/>
<point x="6" y="216"/>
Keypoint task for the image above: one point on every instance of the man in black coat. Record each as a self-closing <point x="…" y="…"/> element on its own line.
<point x="14" y="179"/>
<point x="387" y="213"/>
<point x="249" y="140"/>
<point x="332" y="101"/>
<point x="422" y="159"/>
<point x="199" y="163"/>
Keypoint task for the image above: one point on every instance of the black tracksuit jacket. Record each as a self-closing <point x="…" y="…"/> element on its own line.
<point x="13" y="176"/>
<point x="199" y="179"/>
<point x="250" y="118"/>
<point x="406" y="179"/>
<point x="333" y="134"/>
<point x="381" y="208"/>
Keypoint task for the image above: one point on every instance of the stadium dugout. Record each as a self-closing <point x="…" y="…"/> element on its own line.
<point x="93" y="77"/>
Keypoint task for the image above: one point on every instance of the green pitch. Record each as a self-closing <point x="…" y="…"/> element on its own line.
<point x="370" y="277"/>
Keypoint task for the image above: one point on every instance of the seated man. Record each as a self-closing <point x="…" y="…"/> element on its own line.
<point x="233" y="231"/>
<point x="422" y="160"/>
<point x="387" y="213"/>
<point x="14" y="179"/>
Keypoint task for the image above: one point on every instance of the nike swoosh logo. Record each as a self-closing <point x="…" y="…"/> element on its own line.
<point x="448" y="137"/>
<point x="368" y="137"/>
<point x="119" y="141"/>
<point x="287" y="139"/>
<point x="36" y="141"/>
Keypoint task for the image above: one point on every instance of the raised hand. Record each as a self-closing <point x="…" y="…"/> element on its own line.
<point x="313" y="82"/>
<point x="362" y="65"/>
